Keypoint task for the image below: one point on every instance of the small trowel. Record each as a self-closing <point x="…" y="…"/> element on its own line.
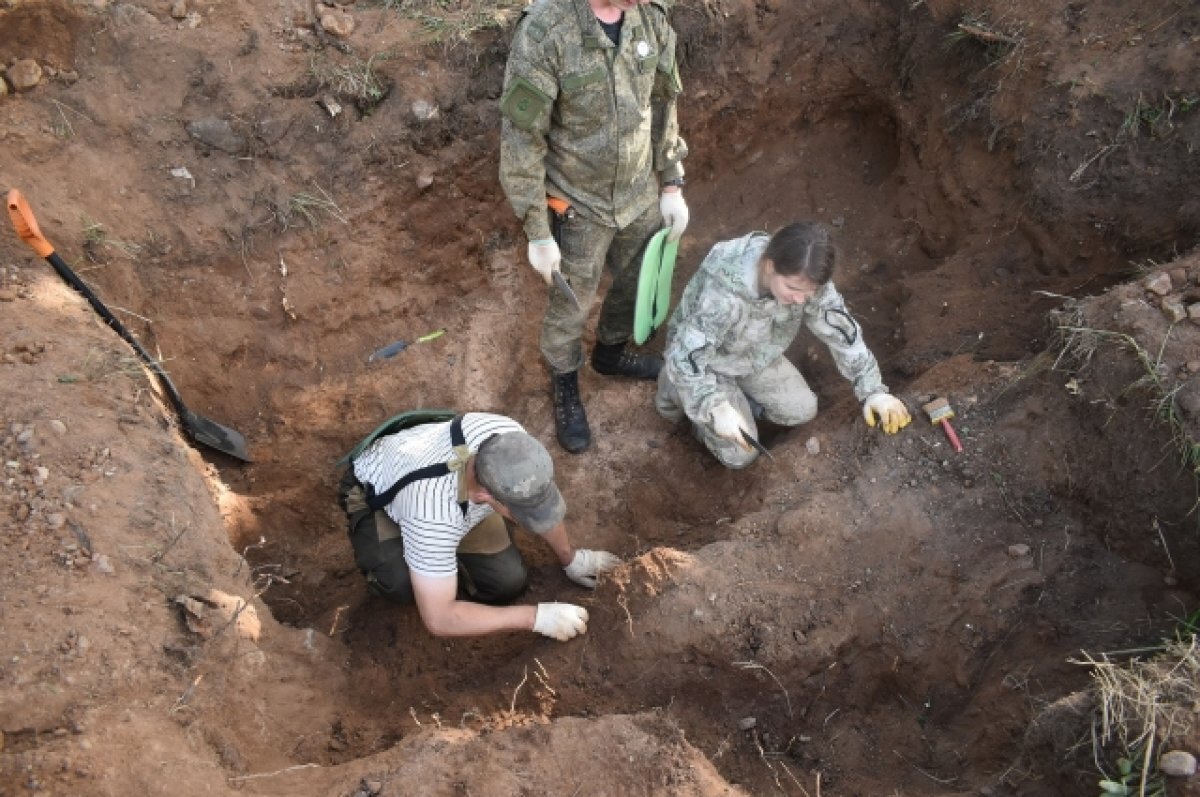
<point x="939" y="413"/>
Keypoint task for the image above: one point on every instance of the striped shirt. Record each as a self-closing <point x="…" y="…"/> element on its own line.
<point x="427" y="511"/>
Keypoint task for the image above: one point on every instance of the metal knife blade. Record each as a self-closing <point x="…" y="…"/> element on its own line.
<point x="749" y="438"/>
<point x="564" y="288"/>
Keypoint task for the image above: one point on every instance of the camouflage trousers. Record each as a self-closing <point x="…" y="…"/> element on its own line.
<point x="779" y="391"/>
<point x="588" y="248"/>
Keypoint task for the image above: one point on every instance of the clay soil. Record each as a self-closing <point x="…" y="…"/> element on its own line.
<point x="865" y="615"/>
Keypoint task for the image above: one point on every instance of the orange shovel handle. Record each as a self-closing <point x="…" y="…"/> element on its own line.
<point x="26" y="225"/>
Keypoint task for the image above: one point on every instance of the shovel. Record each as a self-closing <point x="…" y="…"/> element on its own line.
<point x="202" y="430"/>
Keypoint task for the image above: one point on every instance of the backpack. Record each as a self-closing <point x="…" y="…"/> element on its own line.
<point x="397" y="423"/>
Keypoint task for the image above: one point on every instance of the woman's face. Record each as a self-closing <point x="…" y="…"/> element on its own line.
<point x="787" y="289"/>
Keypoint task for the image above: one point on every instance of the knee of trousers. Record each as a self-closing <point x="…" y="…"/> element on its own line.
<point x="505" y="581"/>
<point x="391" y="581"/>
<point x="796" y="413"/>
<point x="733" y="457"/>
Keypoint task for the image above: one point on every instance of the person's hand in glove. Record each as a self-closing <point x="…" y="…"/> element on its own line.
<point x="674" y="212"/>
<point x="560" y="621"/>
<point x="728" y="423"/>
<point x="545" y="257"/>
<point x="588" y="564"/>
<point x="892" y="413"/>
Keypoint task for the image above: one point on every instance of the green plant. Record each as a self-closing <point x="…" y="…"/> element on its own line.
<point x="355" y="80"/>
<point x="1154" y="119"/>
<point x="1142" y="705"/>
<point x="1128" y="782"/>
<point x="310" y="207"/>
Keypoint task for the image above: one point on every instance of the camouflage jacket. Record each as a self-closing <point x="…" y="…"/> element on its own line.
<point x="585" y="120"/>
<point x="723" y="330"/>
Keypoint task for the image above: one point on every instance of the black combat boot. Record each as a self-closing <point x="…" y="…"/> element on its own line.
<point x="616" y="360"/>
<point x="570" y="421"/>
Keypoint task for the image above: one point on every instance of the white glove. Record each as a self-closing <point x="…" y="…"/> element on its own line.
<point x="560" y="621"/>
<point x="727" y="423"/>
<point x="545" y="257"/>
<point x="588" y="564"/>
<point x="674" y="212"/>
<point x="891" y="411"/>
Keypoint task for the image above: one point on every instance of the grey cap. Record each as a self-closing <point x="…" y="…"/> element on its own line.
<point x="517" y="470"/>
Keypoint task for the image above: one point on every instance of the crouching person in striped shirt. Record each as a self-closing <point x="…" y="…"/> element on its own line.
<point x="430" y="509"/>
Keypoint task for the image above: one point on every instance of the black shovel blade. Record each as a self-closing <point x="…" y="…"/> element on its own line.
<point x="216" y="436"/>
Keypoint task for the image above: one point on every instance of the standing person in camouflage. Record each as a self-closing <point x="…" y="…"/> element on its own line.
<point x="588" y="124"/>
<point x="737" y="317"/>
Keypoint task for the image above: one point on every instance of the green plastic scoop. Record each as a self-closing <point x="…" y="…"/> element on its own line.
<point x="654" y="286"/>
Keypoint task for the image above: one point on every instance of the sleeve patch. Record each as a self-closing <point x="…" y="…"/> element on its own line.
<point x="524" y="103"/>
<point x="572" y="82"/>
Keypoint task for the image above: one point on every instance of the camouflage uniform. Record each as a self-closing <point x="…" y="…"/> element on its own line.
<point x="594" y="124"/>
<point x="726" y="343"/>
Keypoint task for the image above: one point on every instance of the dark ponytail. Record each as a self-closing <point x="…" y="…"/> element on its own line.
<point x="803" y="249"/>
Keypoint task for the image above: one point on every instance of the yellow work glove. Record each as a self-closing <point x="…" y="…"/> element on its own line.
<point x="892" y="413"/>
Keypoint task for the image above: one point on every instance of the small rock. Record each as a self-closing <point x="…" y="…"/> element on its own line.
<point x="1179" y="277"/>
<point x="336" y="745"/>
<point x="1018" y="550"/>
<point x="335" y="23"/>
<point x="179" y="9"/>
<point x="68" y="76"/>
<point x="374" y="786"/>
<point x="58" y="427"/>
<point x="24" y="74"/>
<point x="746" y="723"/>
<point x="3" y="85"/>
<point x="1194" y="312"/>
<point x="216" y="133"/>
<point x="424" y="110"/>
<point x="331" y="105"/>
<point x="1178" y="764"/>
<point x="1174" y="309"/>
<point x="101" y="564"/>
<point x="40" y="474"/>
<point x="55" y="520"/>
<point x="1193" y="365"/>
<point x="6" y="294"/>
<point x="424" y="180"/>
<point x="813" y="446"/>
<point x="1158" y="284"/>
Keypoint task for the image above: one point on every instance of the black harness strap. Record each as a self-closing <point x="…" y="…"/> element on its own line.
<point x="377" y="502"/>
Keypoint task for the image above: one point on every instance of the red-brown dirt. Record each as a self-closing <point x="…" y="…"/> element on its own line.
<point x="1003" y="178"/>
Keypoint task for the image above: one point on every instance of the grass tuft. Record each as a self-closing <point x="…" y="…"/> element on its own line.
<point x="455" y="21"/>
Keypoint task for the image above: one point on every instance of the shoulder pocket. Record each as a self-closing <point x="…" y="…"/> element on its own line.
<point x="578" y="81"/>
<point x="523" y="103"/>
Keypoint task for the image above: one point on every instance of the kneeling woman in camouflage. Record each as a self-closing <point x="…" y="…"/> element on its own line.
<point x="738" y="315"/>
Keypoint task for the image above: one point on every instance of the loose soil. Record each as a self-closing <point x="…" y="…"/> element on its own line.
<point x="1011" y="185"/>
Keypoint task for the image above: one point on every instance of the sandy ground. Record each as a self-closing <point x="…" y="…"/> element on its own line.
<point x="1012" y="194"/>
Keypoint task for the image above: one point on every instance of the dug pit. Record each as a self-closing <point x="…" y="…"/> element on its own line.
<point x="863" y="615"/>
